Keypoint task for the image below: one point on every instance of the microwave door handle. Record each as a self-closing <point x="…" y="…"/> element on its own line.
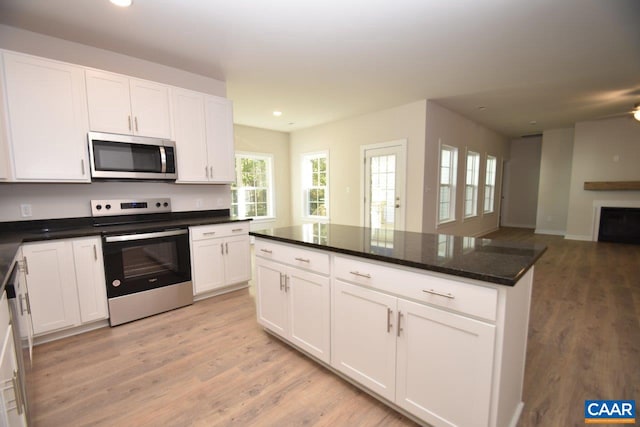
<point x="163" y="160"/>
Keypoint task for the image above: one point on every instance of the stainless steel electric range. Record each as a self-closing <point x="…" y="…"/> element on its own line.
<point x="147" y="262"/>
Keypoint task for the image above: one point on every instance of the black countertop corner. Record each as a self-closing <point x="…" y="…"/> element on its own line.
<point x="13" y="234"/>
<point x="488" y="260"/>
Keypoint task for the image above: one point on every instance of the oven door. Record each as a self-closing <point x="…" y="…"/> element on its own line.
<point x="140" y="262"/>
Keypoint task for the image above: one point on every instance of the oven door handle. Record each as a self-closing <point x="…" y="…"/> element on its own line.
<point x="145" y="236"/>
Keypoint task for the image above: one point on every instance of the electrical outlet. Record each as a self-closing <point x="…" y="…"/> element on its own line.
<point x="25" y="210"/>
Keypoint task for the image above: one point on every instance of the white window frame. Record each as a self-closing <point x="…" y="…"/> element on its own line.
<point x="490" y="185"/>
<point x="471" y="184"/>
<point x="271" y="208"/>
<point x="307" y="185"/>
<point x="452" y="179"/>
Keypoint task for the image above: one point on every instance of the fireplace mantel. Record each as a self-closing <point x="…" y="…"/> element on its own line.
<point x="612" y="185"/>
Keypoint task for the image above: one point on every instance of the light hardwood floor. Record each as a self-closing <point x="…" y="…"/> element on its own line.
<point x="210" y="364"/>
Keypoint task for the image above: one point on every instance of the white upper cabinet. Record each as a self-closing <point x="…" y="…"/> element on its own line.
<point x="124" y="105"/>
<point x="47" y="119"/>
<point x="219" y="117"/>
<point x="203" y="129"/>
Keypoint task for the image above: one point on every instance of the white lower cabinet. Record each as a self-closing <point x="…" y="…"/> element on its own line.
<point x="220" y="256"/>
<point x="445" y="350"/>
<point x="65" y="281"/>
<point x="295" y="304"/>
<point x="444" y="365"/>
<point x="12" y="411"/>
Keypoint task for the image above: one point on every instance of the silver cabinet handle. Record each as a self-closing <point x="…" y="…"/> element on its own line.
<point x="209" y="233"/>
<point x="389" y="325"/>
<point x="357" y="273"/>
<point x="26" y="297"/>
<point x="226" y="246"/>
<point x="206" y="171"/>
<point x="17" y="390"/>
<point x="286" y="283"/>
<point x="399" y="322"/>
<point x="432" y="292"/>
<point x="211" y="171"/>
<point x="268" y="251"/>
<point x="237" y="230"/>
<point x="82" y="166"/>
<point x="21" y="307"/>
<point x="282" y="276"/>
<point x="95" y="252"/>
<point x="26" y="265"/>
<point x="222" y="248"/>
<point x="129" y="119"/>
<point x="302" y="259"/>
<point x="135" y="120"/>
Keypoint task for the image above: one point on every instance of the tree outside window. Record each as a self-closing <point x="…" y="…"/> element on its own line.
<point x="315" y="185"/>
<point x="251" y="193"/>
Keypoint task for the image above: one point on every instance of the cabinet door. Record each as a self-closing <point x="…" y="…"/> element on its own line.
<point x="26" y="325"/>
<point x="92" y="291"/>
<point x="237" y="260"/>
<point x="445" y="366"/>
<point x="109" y="102"/>
<point x="150" y="109"/>
<point x="52" y="287"/>
<point x="309" y="310"/>
<point x="219" y="117"/>
<point x="190" y="135"/>
<point x="364" y="337"/>
<point x="11" y="414"/>
<point x="207" y="265"/>
<point x="271" y="298"/>
<point x="47" y="119"/>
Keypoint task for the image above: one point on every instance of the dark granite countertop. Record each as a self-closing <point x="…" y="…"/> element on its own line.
<point x="13" y="234"/>
<point x="487" y="260"/>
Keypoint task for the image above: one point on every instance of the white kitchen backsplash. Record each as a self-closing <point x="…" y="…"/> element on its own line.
<point x="46" y="201"/>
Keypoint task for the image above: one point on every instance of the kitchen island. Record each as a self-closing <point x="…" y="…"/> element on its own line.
<point x="433" y="325"/>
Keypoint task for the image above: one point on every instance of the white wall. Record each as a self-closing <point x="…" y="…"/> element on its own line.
<point x="555" y="180"/>
<point x="72" y="200"/>
<point x="255" y="140"/>
<point x="446" y="127"/>
<point x="603" y="150"/>
<point x="343" y="140"/>
<point x="522" y="172"/>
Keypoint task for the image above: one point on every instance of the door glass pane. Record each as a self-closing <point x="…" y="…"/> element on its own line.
<point x="383" y="192"/>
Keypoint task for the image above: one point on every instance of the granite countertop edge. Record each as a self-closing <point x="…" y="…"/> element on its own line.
<point x="499" y="280"/>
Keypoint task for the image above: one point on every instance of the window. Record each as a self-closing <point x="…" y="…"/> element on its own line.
<point x="471" y="185"/>
<point x="447" y="191"/>
<point x="251" y="193"/>
<point x="315" y="185"/>
<point x="490" y="184"/>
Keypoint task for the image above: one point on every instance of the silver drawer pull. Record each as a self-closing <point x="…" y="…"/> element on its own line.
<point x="209" y="233"/>
<point x="302" y="259"/>
<point x="268" y="251"/>
<point x="236" y="230"/>
<point x="432" y="292"/>
<point x="357" y="273"/>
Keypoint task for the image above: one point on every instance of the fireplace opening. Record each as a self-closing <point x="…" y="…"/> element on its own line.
<point x="619" y="225"/>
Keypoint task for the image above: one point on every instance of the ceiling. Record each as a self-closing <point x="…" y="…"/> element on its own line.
<point x="546" y="62"/>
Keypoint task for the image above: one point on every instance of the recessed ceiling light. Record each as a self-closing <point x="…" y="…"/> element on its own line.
<point x="482" y="108"/>
<point x="122" y="3"/>
<point x="533" y="123"/>
<point x="277" y="113"/>
<point x="291" y="123"/>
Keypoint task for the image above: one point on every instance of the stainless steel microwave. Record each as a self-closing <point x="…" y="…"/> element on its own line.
<point x="115" y="156"/>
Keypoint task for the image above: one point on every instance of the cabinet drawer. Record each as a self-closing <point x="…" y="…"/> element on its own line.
<point x="293" y="255"/>
<point x="202" y="232"/>
<point x="474" y="300"/>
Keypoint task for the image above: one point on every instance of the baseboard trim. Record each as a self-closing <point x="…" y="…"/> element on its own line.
<point x="578" y="237"/>
<point x="514" y="225"/>
<point x="64" y="333"/>
<point x="551" y="232"/>
<point x="220" y="291"/>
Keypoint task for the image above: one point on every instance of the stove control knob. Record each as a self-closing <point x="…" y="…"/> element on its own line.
<point x="116" y="283"/>
<point x="158" y="205"/>
<point x="166" y="204"/>
<point x="98" y="207"/>
<point x="107" y="206"/>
